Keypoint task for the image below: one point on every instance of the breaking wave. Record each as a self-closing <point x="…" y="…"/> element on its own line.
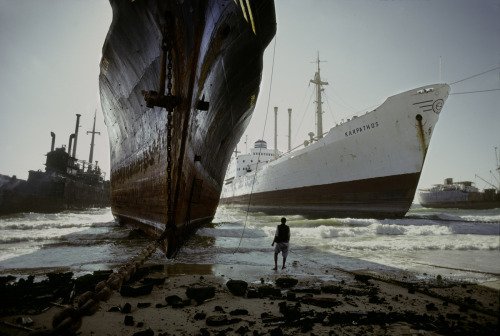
<point x="13" y="240"/>
<point x="54" y="225"/>
<point x="416" y="245"/>
<point x="231" y="233"/>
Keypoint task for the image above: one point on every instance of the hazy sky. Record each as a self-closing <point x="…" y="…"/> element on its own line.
<point x="49" y="66"/>
<point x="50" y="52"/>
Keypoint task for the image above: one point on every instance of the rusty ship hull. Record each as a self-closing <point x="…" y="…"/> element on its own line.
<point x="66" y="184"/>
<point x="44" y="193"/>
<point x="217" y="57"/>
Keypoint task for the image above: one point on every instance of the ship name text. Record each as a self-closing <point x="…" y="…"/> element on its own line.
<point x="362" y="129"/>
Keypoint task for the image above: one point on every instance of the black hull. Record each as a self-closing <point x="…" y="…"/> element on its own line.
<point x="382" y="197"/>
<point x="217" y="59"/>
<point x="478" y="205"/>
<point x="52" y="197"/>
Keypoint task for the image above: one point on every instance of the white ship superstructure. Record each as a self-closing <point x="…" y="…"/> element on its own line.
<point x="242" y="164"/>
<point x="368" y="166"/>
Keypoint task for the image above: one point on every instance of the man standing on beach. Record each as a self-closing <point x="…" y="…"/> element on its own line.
<point x="281" y="238"/>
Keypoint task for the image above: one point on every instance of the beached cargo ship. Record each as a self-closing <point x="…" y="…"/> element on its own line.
<point x="464" y="194"/>
<point x="459" y="195"/>
<point x="178" y="84"/>
<point x="66" y="184"/>
<point x="368" y="166"/>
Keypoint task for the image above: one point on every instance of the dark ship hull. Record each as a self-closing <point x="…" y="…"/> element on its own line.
<point x="45" y="193"/>
<point x="478" y="205"/>
<point x="66" y="184"/>
<point x="216" y="54"/>
<point x="460" y="200"/>
<point x="382" y="197"/>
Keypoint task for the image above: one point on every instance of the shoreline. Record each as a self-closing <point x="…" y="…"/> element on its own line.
<point x="296" y="267"/>
<point x="342" y="302"/>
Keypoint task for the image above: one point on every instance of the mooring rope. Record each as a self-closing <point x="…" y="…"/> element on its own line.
<point x="260" y="149"/>
<point x="477" y="91"/>
<point x="476" y="75"/>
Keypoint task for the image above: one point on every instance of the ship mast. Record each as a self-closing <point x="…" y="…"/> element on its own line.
<point x="498" y="167"/>
<point x="498" y="171"/>
<point x="91" y="156"/>
<point x="75" y="138"/>
<point x="319" y="103"/>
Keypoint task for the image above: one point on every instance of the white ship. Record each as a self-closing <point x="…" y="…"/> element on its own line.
<point x="459" y="195"/>
<point x="368" y="166"/>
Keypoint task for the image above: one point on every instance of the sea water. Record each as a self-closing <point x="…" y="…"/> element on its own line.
<point x="459" y="244"/>
<point x="78" y="241"/>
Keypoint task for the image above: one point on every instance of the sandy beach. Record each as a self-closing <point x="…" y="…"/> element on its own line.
<point x="190" y="300"/>
<point x="413" y="276"/>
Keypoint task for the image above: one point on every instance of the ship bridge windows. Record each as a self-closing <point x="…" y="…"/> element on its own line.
<point x="426" y="90"/>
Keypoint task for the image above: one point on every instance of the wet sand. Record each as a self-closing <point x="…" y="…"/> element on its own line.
<point x="196" y="300"/>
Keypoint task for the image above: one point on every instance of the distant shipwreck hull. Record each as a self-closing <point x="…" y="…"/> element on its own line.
<point x="472" y="205"/>
<point x="66" y="184"/>
<point x="46" y="194"/>
<point x="459" y="195"/>
<point x="216" y="54"/>
<point x="367" y="167"/>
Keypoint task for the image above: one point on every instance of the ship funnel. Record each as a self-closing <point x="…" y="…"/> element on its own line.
<point x="76" y="134"/>
<point x="289" y="129"/>
<point x="311" y="136"/>
<point x="53" y="135"/>
<point x="70" y="145"/>
<point x="276" y="132"/>
<point x="93" y="132"/>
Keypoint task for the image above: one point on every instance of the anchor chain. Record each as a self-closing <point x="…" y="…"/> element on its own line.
<point x="170" y="212"/>
<point x="170" y="226"/>
<point x="154" y="98"/>
<point x="69" y="320"/>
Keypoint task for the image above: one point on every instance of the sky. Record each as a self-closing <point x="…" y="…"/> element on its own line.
<point x="49" y="66"/>
<point x="50" y="52"/>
